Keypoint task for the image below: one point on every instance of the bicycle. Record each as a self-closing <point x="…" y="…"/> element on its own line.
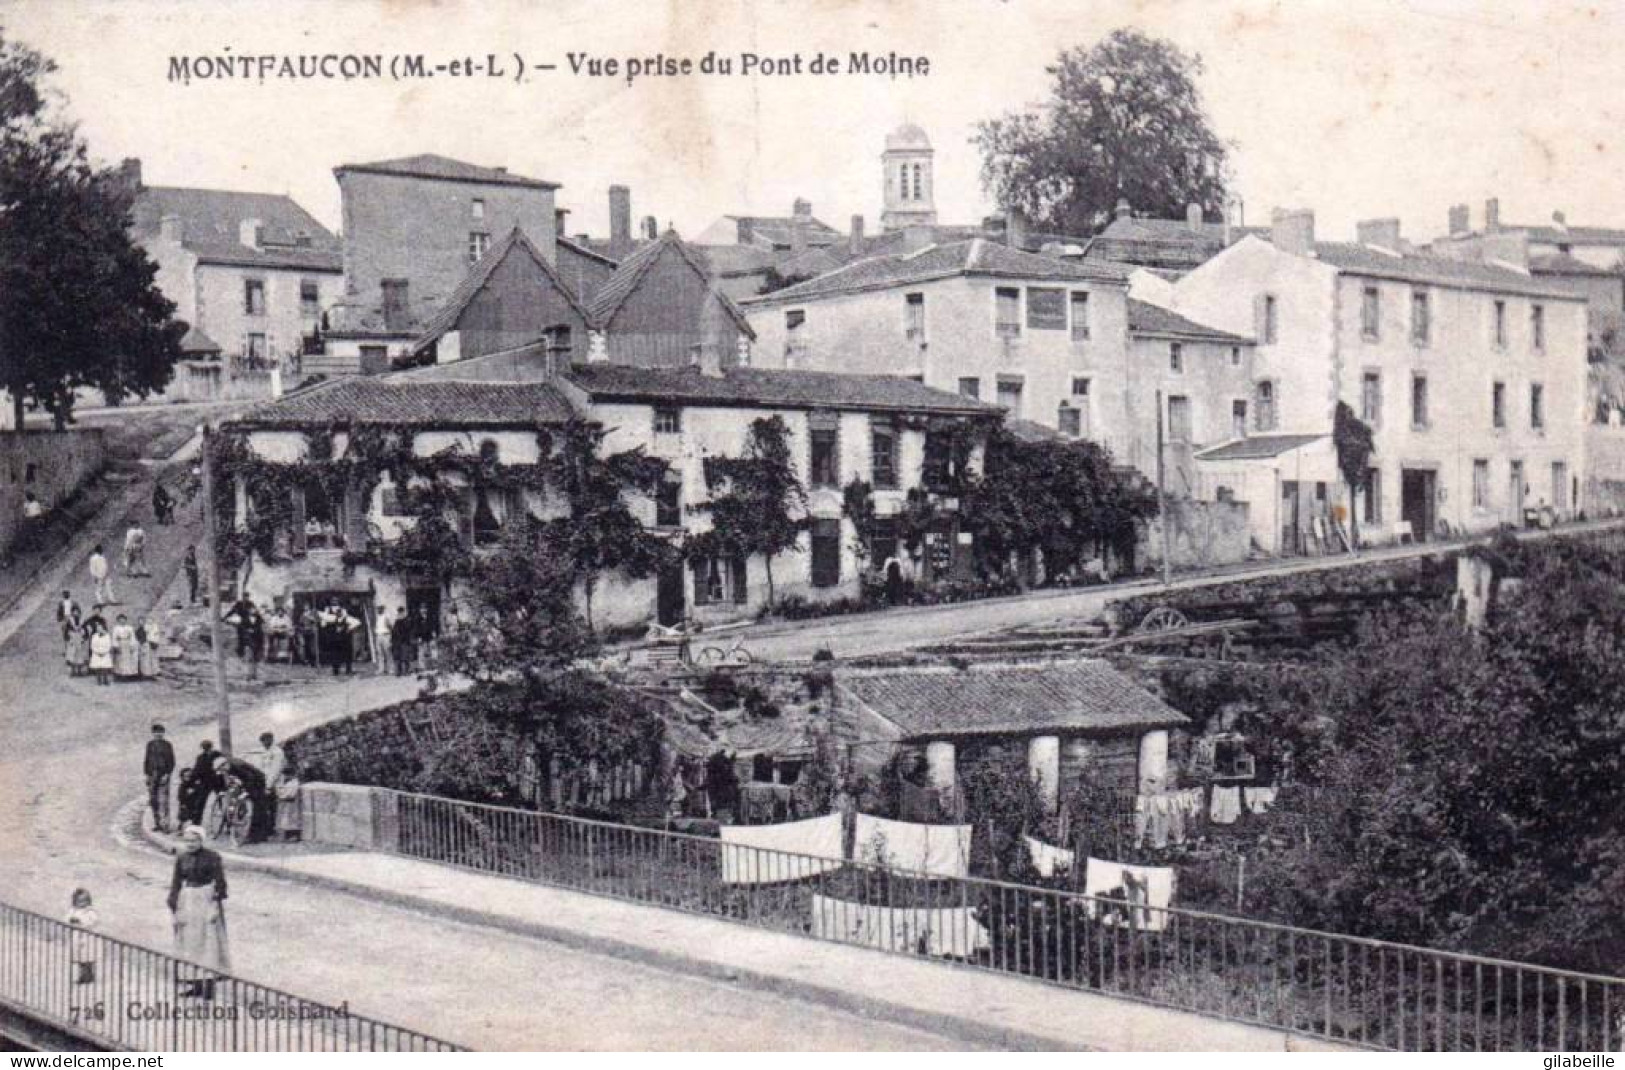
<point x="733" y="655"/>
<point x="229" y="814"/>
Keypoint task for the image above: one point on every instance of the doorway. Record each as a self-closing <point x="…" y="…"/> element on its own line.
<point x="1417" y="503"/>
<point x="1515" y="493"/>
<point x="670" y="598"/>
<point x="1560" y="488"/>
<point x="1291" y="514"/>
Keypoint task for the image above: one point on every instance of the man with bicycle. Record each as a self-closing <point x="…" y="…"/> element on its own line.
<point x="237" y="772"/>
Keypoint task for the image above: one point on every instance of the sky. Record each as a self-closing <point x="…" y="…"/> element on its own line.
<point x="1355" y="109"/>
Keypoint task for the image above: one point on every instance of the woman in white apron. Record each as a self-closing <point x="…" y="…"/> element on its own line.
<point x="197" y="903"/>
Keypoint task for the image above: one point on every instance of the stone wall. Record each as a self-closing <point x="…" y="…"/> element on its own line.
<point x="348" y="815"/>
<point x="1200" y="534"/>
<point x="52" y="464"/>
<point x="1603" y="493"/>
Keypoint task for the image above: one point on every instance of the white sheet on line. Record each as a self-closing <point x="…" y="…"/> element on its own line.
<point x="1100" y="876"/>
<point x="792" y="850"/>
<point x="1048" y="859"/>
<point x="946" y="931"/>
<point x="939" y="850"/>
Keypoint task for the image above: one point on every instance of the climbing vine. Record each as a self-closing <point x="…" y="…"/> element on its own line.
<point x="757" y="504"/>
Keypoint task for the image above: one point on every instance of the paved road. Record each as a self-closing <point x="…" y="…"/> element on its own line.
<point x="70" y="759"/>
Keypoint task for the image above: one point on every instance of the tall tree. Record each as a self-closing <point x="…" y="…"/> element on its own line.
<point x="1352" y="438"/>
<point x="1124" y="121"/>
<point x="78" y="302"/>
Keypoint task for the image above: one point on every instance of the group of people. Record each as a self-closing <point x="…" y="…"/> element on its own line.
<point x="412" y="642"/>
<point x="117" y="651"/>
<point x="316" y="637"/>
<point x="266" y="776"/>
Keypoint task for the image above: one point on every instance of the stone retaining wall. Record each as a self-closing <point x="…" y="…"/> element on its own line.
<point x="348" y="815"/>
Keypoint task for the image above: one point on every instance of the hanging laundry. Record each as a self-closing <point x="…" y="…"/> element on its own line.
<point x="1175" y="802"/>
<point x="1259" y="800"/>
<point x="1136" y="896"/>
<point x="793" y="850"/>
<point x="1226" y="805"/>
<point x="951" y="932"/>
<point x="938" y="850"/>
<point x="1048" y="860"/>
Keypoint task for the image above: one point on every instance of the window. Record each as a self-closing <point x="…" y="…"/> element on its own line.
<point x="254" y="297"/>
<point x="1176" y="358"/>
<point x="1238" y="418"/>
<point x="1498" y="405"/>
<point x="919" y="194"/>
<point x="1500" y="324"/>
<point x="668" y="420"/>
<point x="395" y="302"/>
<point x="914" y="317"/>
<point x="487" y="525"/>
<point x="391" y="502"/>
<point x="720" y="579"/>
<point x="478" y="242"/>
<point x="1007" y="312"/>
<point x="256" y="353"/>
<point x="883" y="454"/>
<point x="1268" y="320"/>
<point x="1537" y="406"/>
<point x="1080" y="386"/>
<point x="1069" y="421"/>
<point x="1235" y="356"/>
<point x="1264" y="395"/>
<point x="1370" y="313"/>
<point x="1010" y="396"/>
<point x="970" y="387"/>
<point x="1481" y="484"/>
<point x="560" y="343"/>
<point x="1371" y="398"/>
<point x="1080" y="316"/>
<point x="477" y="208"/>
<point x="825" y="469"/>
<point x="1419" y="402"/>
<point x="826" y="553"/>
<point x="1179" y="418"/>
<point x="1373" y="496"/>
<point x="940" y="470"/>
<point x="374" y="359"/>
<point x="1421" y="327"/>
<point x="669" y="503"/>
<point x="1046" y="309"/>
<point x="1537" y="326"/>
<point x="310" y="299"/>
<point x="795" y="336"/>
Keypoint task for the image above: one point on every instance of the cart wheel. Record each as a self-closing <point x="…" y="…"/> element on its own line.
<point x="242" y="819"/>
<point x="710" y="656"/>
<point x="214" y="816"/>
<point x="741" y="657"/>
<point x="1163" y="619"/>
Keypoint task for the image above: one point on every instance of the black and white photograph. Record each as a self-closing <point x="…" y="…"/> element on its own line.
<point x="812" y="526"/>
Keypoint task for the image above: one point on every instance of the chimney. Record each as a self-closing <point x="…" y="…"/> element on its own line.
<point x="248" y="233"/>
<point x="130" y="173"/>
<point x="855" y="238"/>
<point x="1460" y="222"/>
<point x="1193" y="216"/>
<point x="560" y="222"/>
<point x="651" y="227"/>
<point x="1124" y="210"/>
<point x="1015" y="228"/>
<point x="172" y="229"/>
<point x="1383" y="233"/>
<point x="798" y="236"/>
<point x="802" y="209"/>
<point x="1293" y="231"/>
<point x="1492" y="215"/>
<point x="620" y="215"/>
<point x="917" y="236"/>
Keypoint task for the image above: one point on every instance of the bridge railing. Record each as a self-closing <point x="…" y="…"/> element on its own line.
<point x="124" y="996"/>
<point x="1339" y="988"/>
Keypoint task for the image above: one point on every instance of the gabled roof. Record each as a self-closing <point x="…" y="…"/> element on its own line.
<point x="633" y="270"/>
<point x="1257" y="447"/>
<point x="974" y="257"/>
<point x="428" y="165"/>
<point x="777" y="230"/>
<point x="768" y="388"/>
<point x="290" y="237"/>
<point x="586" y="250"/>
<point x="369" y="400"/>
<point x="1145" y="318"/>
<point x="1076" y="696"/>
<point x="1354" y="259"/>
<point x="479" y="274"/>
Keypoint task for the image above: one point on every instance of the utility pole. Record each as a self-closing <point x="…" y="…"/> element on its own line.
<point x="211" y="598"/>
<point x="1162" y="500"/>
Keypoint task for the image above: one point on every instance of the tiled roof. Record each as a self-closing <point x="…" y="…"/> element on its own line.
<point x="516" y="241"/>
<point x="1356" y="259"/>
<point x="761" y="387"/>
<point x="736" y="259"/>
<point x="195" y="341"/>
<point x="369" y="400"/>
<point x="974" y="257"/>
<point x="630" y="275"/>
<point x="1146" y="318"/>
<point x="428" y="165"/>
<point x="1257" y="447"/>
<point x="777" y="229"/>
<point x="1033" y="431"/>
<point x="1081" y="696"/>
<point x="1551" y="235"/>
<point x="1564" y="264"/>
<point x="586" y="250"/>
<point x="532" y="362"/>
<point x="212" y="219"/>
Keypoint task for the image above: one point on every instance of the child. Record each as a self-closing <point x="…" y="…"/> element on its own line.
<point x="101" y="655"/>
<point x="287" y="803"/>
<point x="82" y="946"/>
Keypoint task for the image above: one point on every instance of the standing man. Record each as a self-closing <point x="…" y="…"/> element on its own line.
<point x="405" y="643"/>
<point x="33" y="521"/>
<point x="204" y="780"/>
<point x="270" y="760"/>
<point x="384" y="645"/>
<point x="98" y="576"/>
<point x="191" y="574"/>
<point x="163" y="506"/>
<point x="158" y="765"/>
<point x="135" y="550"/>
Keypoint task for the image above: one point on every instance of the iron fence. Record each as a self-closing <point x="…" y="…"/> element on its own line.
<point x="1345" y="989"/>
<point x="122" y="995"/>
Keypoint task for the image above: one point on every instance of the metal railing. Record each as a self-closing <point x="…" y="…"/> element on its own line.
<point x="1339" y="988"/>
<point x="135" y="998"/>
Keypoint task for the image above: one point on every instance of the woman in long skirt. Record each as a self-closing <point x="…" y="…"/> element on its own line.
<point x="78" y="651"/>
<point x="101" y="654"/>
<point x="150" y="636"/>
<point x="197" y="903"/>
<point x="126" y="651"/>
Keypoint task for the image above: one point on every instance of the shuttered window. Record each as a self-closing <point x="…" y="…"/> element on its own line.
<point x="826" y="553"/>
